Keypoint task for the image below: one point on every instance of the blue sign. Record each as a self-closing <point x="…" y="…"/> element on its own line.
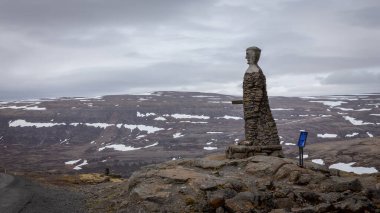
<point x="302" y="139"/>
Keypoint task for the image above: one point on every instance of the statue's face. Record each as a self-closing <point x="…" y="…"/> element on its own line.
<point x="250" y="56"/>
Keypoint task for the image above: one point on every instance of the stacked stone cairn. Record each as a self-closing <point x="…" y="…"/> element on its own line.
<point x="261" y="136"/>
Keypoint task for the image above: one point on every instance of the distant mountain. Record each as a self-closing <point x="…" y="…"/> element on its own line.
<point x="125" y="132"/>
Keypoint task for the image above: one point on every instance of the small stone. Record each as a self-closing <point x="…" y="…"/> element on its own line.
<point x="189" y="200"/>
<point x="278" y="211"/>
<point x="219" y="210"/>
<point x="208" y="185"/>
<point x="236" y="205"/>
<point x="283" y="203"/>
<point x="294" y="176"/>
<point x="355" y="204"/>
<point x="279" y="194"/>
<point x="216" y="200"/>
<point x="311" y="197"/>
<point x="304" y="179"/>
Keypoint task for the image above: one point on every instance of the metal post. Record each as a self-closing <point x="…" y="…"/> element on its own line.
<point x="299" y="156"/>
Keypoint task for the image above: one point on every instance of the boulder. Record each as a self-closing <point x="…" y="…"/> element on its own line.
<point x="255" y="184"/>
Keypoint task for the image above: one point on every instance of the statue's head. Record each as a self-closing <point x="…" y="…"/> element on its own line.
<point x="253" y="55"/>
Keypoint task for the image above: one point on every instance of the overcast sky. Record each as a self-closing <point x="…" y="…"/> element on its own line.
<point x="52" y="48"/>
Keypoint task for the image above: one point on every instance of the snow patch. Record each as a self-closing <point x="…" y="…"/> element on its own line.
<point x="220" y="102"/>
<point x="348" y="167"/>
<point x="140" y="136"/>
<point x="177" y="135"/>
<point x="356" y="122"/>
<point x="282" y="109"/>
<point x="327" y="135"/>
<point x="351" y="109"/>
<point x="214" y="132"/>
<point x="124" y="148"/>
<point x="369" y="135"/>
<point x="24" y="107"/>
<point x="290" y="144"/>
<point x="141" y="115"/>
<point x="210" y="148"/>
<point x="364" y="109"/>
<point x="119" y="147"/>
<point x="230" y="117"/>
<point x="149" y="129"/>
<point x="24" y="123"/>
<point x="331" y="104"/>
<point x="99" y="125"/>
<point x="155" y="144"/>
<point x="79" y="167"/>
<point x="204" y="96"/>
<point x="186" y="116"/>
<point x="352" y="135"/>
<point x="318" y="161"/>
<point x="72" y="162"/>
<point x="160" y="119"/>
<point x="64" y="141"/>
<point x="194" y="122"/>
<point x="304" y="156"/>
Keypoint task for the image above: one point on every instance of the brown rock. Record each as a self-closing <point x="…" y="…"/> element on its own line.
<point x="259" y="183"/>
<point x="283" y="203"/>
<point x="242" y="202"/>
<point x="216" y="199"/>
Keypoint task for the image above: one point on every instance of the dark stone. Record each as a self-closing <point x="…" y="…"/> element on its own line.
<point x="283" y="203"/>
<point x="216" y="199"/>
<point x="311" y="197"/>
<point x="355" y="204"/>
<point x="220" y="210"/>
<point x="304" y="179"/>
<point x="242" y="202"/>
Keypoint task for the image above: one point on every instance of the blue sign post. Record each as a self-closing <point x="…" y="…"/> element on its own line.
<point x="301" y="144"/>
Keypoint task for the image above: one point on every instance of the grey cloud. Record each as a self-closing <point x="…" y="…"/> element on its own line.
<point x="85" y="47"/>
<point x="368" y="17"/>
<point x="299" y="64"/>
<point x="73" y="13"/>
<point x="353" y="78"/>
<point x="102" y="80"/>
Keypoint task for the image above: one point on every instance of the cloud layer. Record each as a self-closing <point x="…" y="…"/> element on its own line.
<point x="84" y="48"/>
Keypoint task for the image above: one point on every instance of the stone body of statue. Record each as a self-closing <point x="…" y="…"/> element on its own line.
<point x="260" y="128"/>
<point x="261" y="136"/>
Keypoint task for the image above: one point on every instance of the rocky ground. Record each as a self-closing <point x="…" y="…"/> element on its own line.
<point x="210" y="184"/>
<point x="256" y="184"/>
<point x="126" y="132"/>
<point x="65" y="144"/>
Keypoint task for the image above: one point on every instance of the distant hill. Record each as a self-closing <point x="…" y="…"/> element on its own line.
<point x="125" y="132"/>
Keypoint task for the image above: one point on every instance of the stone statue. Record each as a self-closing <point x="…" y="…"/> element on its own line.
<point x="261" y="135"/>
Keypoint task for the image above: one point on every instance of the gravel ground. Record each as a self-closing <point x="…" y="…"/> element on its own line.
<point x="22" y="196"/>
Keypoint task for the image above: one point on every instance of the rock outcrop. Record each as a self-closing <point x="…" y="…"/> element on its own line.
<point x="255" y="184"/>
